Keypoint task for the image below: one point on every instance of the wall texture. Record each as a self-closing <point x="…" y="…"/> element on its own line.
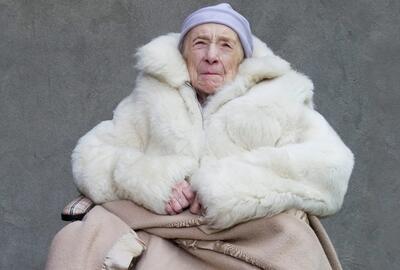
<point x="64" y="65"/>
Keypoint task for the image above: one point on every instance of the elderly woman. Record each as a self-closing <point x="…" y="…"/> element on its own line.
<point x="219" y="125"/>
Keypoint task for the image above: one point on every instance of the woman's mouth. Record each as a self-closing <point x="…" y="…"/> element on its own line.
<point x="210" y="73"/>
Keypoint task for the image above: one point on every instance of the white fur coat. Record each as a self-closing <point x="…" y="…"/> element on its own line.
<point x="255" y="149"/>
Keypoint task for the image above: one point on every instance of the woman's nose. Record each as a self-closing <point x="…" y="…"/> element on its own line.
<point x="212" y="54"/>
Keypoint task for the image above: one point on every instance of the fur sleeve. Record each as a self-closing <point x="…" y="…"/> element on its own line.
<point x="311" y="175"/>
<point x="110" y="161"/>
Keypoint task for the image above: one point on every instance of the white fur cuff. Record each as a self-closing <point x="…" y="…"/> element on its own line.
<point x="127" y="247"/>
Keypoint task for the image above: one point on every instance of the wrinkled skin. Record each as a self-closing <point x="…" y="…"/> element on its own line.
<point x="212" y="53"/>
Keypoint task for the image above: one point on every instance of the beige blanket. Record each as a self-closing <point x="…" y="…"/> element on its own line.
<point x="289" y="240"/>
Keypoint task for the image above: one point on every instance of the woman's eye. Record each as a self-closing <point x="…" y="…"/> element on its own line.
<point x="226" y="45"/>
<point x="199" y="43"/>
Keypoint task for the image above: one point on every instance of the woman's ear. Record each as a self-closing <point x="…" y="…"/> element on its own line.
<point x="184" y="49"/>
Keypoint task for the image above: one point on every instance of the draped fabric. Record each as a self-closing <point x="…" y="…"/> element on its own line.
<point x="290" y="240"/>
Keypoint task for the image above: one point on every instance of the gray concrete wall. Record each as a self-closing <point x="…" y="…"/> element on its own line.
<point x="64" y="65"/>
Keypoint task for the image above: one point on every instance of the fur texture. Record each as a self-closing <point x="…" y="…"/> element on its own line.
<point x="119" y="257"/>
<point x="257" y="147"/>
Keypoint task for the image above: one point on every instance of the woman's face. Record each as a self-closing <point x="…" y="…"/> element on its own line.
<point x="213" y="53"/>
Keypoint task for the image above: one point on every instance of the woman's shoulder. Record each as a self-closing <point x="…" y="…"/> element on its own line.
<point x="150" y="96"/>
<point x="291" y="88"/>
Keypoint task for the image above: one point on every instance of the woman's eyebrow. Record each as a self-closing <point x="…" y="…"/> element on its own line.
<point x="221" y="38"/>
<point x="227" y="39"/>
<point x="205" y="37"/>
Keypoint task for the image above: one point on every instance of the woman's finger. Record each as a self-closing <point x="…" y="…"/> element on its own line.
<point x="184" y="183"/>
<point x="189" y="194"/>
<point x="180" y="198"/>
<point x="185" y="188"/>
<point x="176" y="206"/>
<point x="169" y="210"/>
<point x="195" y="207"/>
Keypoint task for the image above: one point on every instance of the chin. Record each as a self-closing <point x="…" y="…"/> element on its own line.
<point x="208" y="89"/>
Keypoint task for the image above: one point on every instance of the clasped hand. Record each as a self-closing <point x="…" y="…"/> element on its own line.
<point x="182" y="196"/>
